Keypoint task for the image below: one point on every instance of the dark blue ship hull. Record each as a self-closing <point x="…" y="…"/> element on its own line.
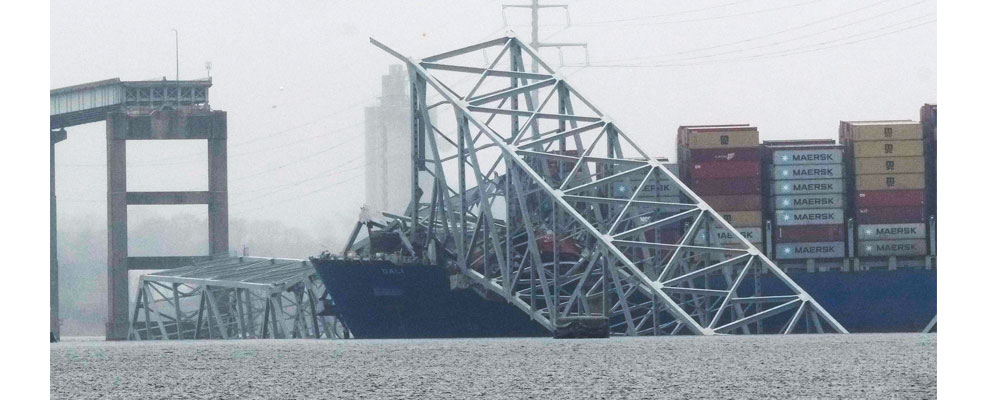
<point x="873" y="301"/>
<point x="382" y="300"/>
<point x="379" y="299"/>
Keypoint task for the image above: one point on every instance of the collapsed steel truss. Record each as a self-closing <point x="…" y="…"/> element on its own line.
<point x="534" y="194"/>
<point x="233" y="298"/>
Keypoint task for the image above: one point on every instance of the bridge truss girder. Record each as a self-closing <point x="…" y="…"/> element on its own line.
<point x="233" y="298"/>
<point x="533" y="196"/>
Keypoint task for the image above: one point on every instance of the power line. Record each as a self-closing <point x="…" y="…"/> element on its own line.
<point x="751" y="39"/>
<point x="535" y="44"/>
<point x="862" y="40"/>
<point x="314" y="177"/>
<point x="325" y="173"/>
<point x="298" y="160"/>
<point x="77" y="200"/>
<point x="313" y="96"/>
<point x="780" y="53"/>
<point x="305" y="139"/>
<point x="276" y="188"/>
<point x="743" y="14"/>
<point x="280" y="188"/>
<point x="180" y="162"/>
<point x="351" y="107"/>
<point x="814" y="22"/>
<point x="793" y="39"/>
<point x="298" y="197"/>
<point x="614" y="21"/>
<point x="812" y="47"/>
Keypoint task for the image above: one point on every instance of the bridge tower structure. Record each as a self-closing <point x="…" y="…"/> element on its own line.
<point x="534" y="197"/>
<point x="142" y="110"/>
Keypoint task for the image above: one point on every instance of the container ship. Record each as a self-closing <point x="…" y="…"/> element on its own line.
<point x="383" y="299"/>
<point x="850" y="221"/>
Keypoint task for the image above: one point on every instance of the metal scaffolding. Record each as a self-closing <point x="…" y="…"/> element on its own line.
<point x="234" y="298"/>
<point x="541" y="203"/>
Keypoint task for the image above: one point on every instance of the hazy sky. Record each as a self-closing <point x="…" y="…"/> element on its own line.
<point x="294" y="78"/>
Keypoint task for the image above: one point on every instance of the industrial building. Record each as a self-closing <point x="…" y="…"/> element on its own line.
<point x="387" y="144"/>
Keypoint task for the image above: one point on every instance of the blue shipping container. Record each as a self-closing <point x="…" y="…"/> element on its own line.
<point x="811" y="186"/>
<point x="804" y="157"/>
<point x="797" y="172"/>
<point x="808" y="201"/>
<point x="825" y="216"/>
<point x="810" y="250"/>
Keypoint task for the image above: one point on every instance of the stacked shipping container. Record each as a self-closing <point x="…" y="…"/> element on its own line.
<point x="887" y="161"/>
<point x="928" y="120"/>
<point x="721" y="163"/>
<point x="659" y="187"/>
<point x="807" y="199"/>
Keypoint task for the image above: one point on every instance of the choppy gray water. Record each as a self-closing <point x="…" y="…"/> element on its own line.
<point x="801" y="366"/>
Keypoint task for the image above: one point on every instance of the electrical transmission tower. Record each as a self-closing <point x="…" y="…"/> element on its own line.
<point x="535" y="43"/>
<point x="543" y="204"/>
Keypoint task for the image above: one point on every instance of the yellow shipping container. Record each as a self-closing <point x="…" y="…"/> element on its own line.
<point x="889" y="148"/>
<point x="889" y="165"/>
<point x="721" y="138"/>
<point x="740" y="219"/>
<point x="893" y="131"/>
<point x="889" y="182"/>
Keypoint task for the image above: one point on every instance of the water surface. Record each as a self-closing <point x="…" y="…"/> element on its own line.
<point x="874" y="366"/>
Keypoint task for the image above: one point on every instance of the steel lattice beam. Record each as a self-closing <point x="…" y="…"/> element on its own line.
<point x="233" y="298"/>
<point x="538" y="202"/>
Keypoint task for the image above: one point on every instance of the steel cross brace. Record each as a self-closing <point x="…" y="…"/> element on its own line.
<point x="627" y="278"/>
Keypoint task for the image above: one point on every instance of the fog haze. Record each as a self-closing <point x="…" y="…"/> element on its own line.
<point x="295" y="77"/>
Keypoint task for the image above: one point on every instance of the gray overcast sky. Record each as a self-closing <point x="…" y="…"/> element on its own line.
<point x="294" y="77"/>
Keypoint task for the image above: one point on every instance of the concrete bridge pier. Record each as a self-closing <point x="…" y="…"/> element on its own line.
<point x="162" y="124"/>
<point x="140" y="110"/>
<point x="54" y="137"/>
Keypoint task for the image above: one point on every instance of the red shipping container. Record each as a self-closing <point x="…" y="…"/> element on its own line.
<point x="725" y="169"/>
<point x="746" y="202"/>
<point x="725" y="186"/>
<point x="739" y="154"/>
<point x="668" y="235"/>
<point x="891" y="215"/>
<point x="890" y="198"/>
<point x="809" y="233"/>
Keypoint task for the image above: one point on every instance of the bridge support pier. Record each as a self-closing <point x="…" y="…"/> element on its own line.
<point x="179" y="124"/>
<point x="54" y="334"/>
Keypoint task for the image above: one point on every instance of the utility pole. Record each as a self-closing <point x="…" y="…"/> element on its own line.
<point x="535" y="43"/>
<point x="177" y="55"/>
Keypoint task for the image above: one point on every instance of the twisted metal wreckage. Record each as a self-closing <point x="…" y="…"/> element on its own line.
<point x="234" y="298"/>
<point x="540" y="198"/>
